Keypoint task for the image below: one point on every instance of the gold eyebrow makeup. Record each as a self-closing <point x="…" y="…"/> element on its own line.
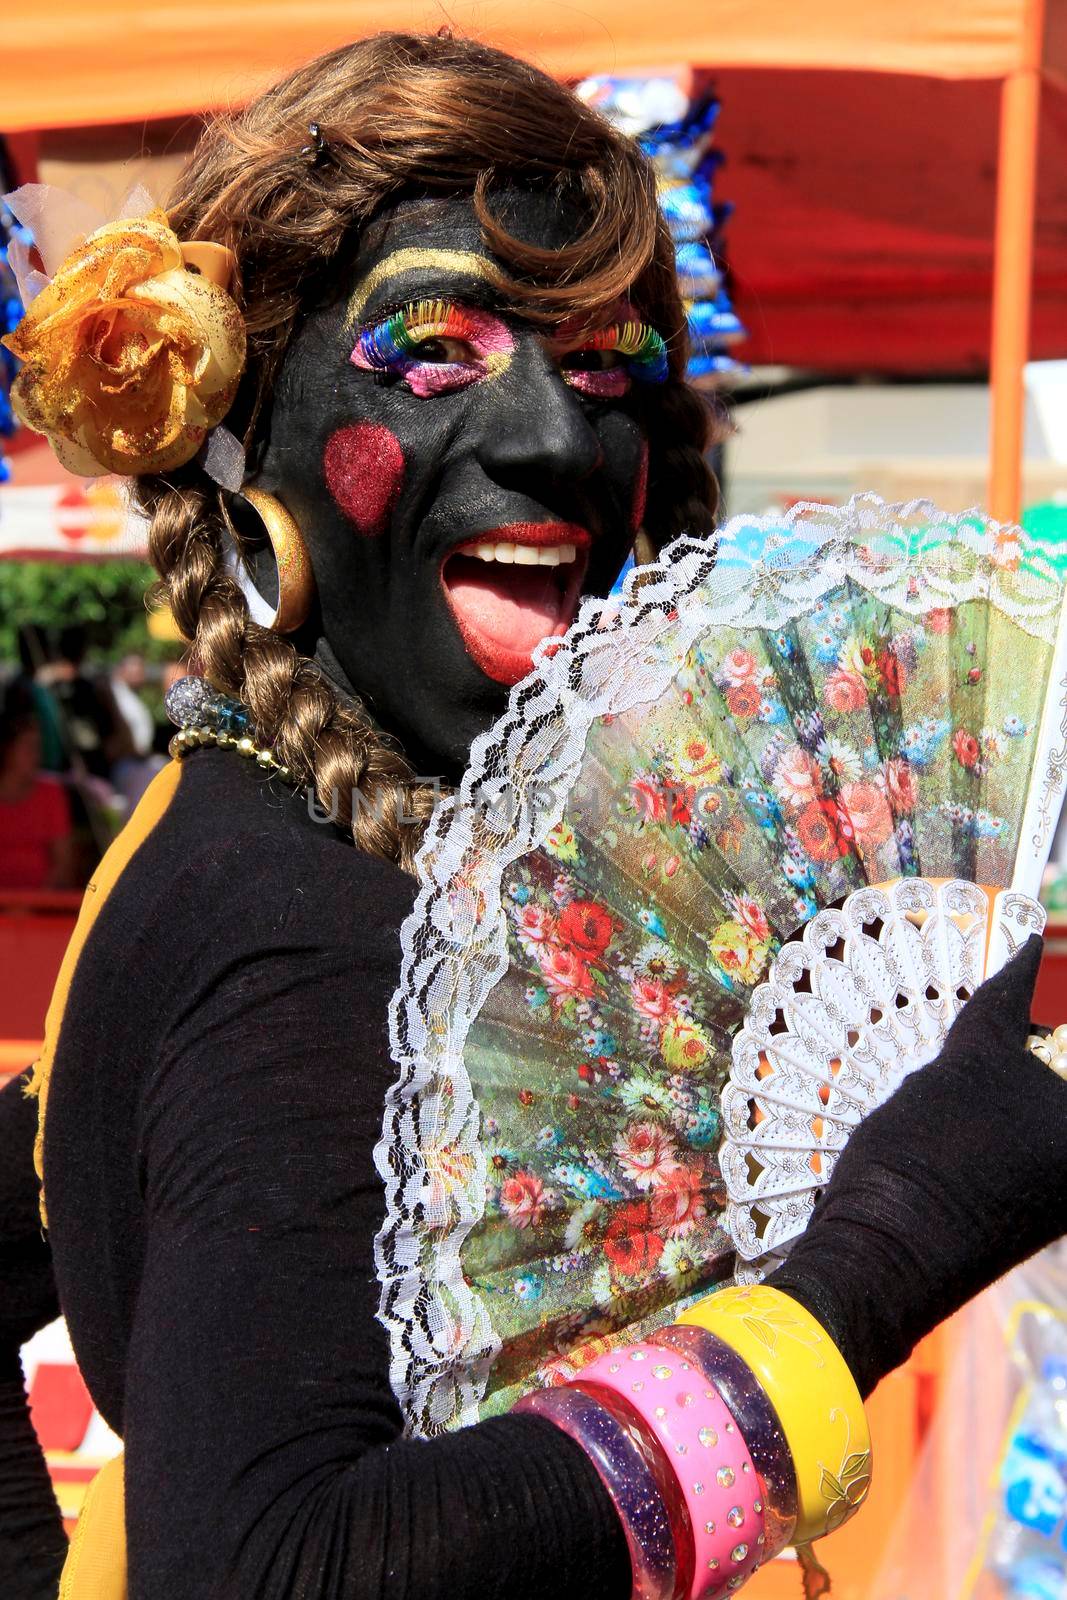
<point x="454" y="262"/>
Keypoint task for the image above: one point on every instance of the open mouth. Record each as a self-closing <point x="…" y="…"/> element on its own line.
<point x="512" y="587"/>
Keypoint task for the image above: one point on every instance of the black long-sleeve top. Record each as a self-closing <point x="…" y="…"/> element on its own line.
<point x="215" y="1097"/>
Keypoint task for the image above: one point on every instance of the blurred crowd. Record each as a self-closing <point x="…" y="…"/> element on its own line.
<point x="79" y="745"/>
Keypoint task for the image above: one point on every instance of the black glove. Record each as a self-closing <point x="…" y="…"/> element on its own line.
<point x="961" y="1175"/>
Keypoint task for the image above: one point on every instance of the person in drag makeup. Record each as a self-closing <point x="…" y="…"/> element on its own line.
<point x="397" y="380"/>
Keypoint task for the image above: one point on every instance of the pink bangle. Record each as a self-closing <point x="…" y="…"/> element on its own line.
<point x="722" y="1492"/>
<point x="632" y="1469"/>
<point x="756" y="1419"/>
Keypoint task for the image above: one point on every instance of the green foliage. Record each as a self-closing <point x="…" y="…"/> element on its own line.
<point x="106" y="597"/>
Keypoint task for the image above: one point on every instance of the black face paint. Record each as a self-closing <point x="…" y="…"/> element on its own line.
<point x="397" y="436"/>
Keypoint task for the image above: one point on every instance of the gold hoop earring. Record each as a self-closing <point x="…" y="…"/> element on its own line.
<point x="645" y="551"/>
<point x="296" y="581"/>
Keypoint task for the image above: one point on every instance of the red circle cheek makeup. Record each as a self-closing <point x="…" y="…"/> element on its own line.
<point x="363" y="464"/>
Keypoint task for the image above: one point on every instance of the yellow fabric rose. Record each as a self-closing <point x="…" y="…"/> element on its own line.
<point x="129" y="357"/>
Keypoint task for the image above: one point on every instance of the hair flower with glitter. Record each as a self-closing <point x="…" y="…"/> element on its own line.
<point x="131" y="353"/>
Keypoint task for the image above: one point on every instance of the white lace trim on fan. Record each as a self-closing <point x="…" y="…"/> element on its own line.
<point x="859" y="1000"/>
<point x="617" y="655"/>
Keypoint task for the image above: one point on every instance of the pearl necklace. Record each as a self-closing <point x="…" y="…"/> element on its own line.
<point x="205" y="717"/>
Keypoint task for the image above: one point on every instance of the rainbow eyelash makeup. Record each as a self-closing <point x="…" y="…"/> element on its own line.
<point x="643" y="346"/>
<point x="392" y="340"/>
<point x="392" y="346"/>
<point x="645" y="360"/>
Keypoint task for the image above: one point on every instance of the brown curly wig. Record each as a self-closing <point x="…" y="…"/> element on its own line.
<point x="400" y="115"/>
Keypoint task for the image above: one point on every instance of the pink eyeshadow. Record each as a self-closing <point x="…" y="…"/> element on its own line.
<point x="492" y="336"/>
<point x="363" y="464"/>
<point x="610" y="384"/>
<point x="430" y="378"/>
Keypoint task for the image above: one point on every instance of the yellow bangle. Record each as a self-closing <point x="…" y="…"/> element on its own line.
<point x="812" y="1391"/>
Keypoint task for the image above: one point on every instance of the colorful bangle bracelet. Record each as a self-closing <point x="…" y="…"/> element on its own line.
<point x="812" y="1391"/>
<point x="695" y="1428"/>
<point x="756" y="1420"/>
<point x="632" y="1470"/>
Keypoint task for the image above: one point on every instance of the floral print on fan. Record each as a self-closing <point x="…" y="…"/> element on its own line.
<point x="779" y="772"/>
<point x="603" y="1188"/>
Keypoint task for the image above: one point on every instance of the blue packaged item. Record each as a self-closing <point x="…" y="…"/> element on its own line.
<point x="636" y="105"/>
<point x="688" y="209"/>
<point x="692" y="131"/>
<point x="713" y="323"/>
<point x="682" y="150"/>
<point x="699" y="277"/>
<point x="1028" y="1546"/>
<point x="707" y="371"/>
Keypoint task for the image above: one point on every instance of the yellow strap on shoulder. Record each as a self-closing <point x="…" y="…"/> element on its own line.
<point x="95" y="1568"/>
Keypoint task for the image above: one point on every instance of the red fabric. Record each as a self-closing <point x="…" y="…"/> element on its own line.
<point x="863" y="233"/>
<point x="28" y="828"/>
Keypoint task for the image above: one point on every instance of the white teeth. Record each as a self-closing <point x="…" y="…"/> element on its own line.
<point x="526" y="555"/>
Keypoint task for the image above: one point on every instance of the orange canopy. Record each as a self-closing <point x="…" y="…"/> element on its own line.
<point x="67" y="62"/>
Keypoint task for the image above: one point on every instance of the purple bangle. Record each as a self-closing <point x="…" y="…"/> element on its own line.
<point x="756" y="1419"/>
<point x="630" y="1469"/>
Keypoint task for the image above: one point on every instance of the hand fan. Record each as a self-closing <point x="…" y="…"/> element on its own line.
<point x="740" y="848"/>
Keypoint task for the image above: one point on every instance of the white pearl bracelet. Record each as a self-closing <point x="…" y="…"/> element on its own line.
<point x="1052" y="1049"/>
